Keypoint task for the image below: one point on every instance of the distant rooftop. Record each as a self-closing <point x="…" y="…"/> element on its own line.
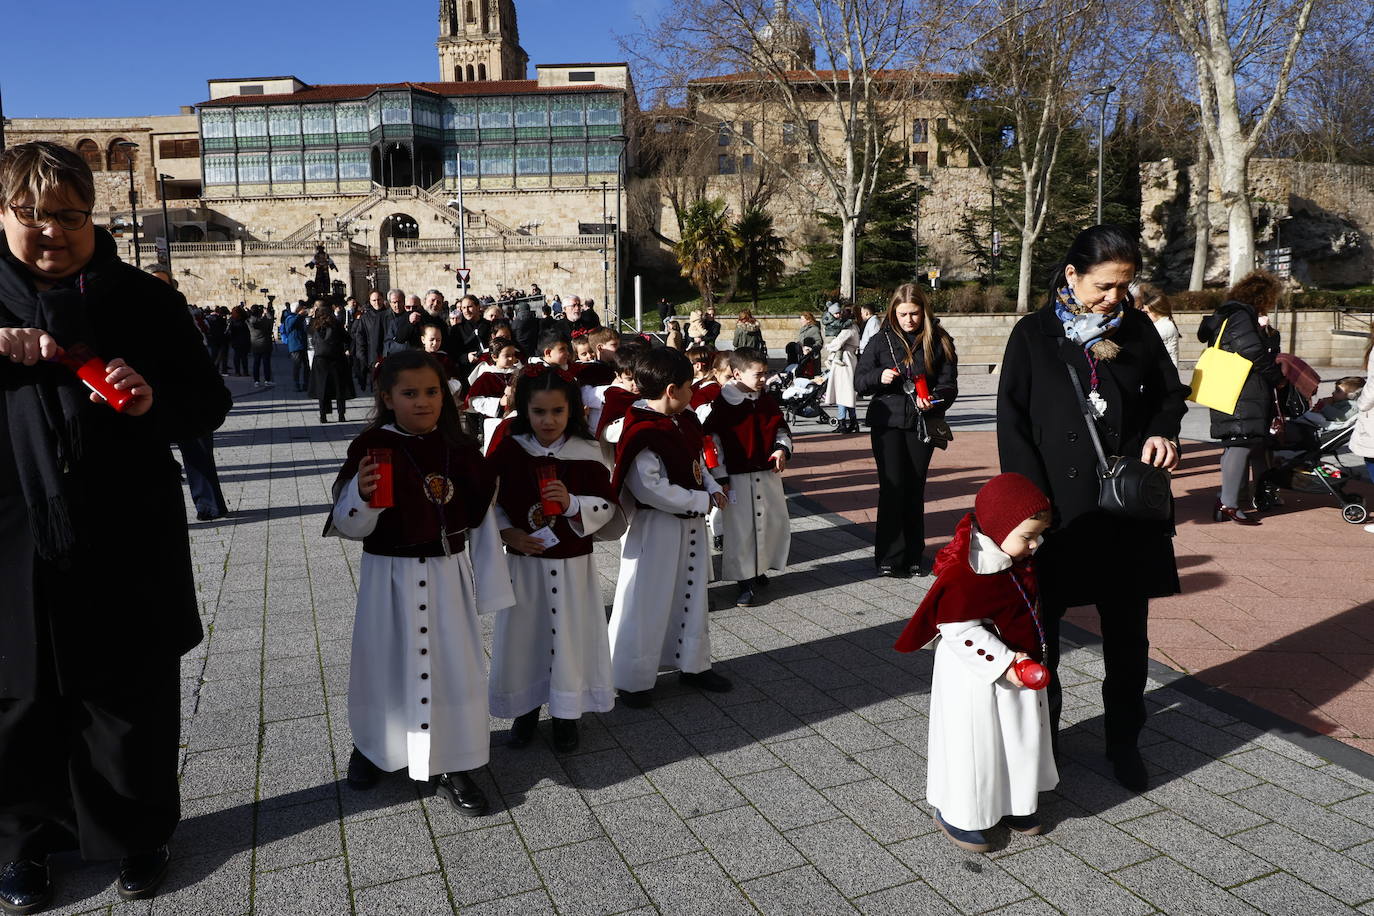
<point x="345" y="91"/>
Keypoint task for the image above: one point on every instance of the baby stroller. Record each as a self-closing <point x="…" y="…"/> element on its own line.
<point x="1303" y="461"/>
<point x="801" y="397"/>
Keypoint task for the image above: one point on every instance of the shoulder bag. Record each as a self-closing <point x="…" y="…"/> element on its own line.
<point x="1127" y="487"/>
<point x="1218" y="376"/>
<point x="931" y="430"/>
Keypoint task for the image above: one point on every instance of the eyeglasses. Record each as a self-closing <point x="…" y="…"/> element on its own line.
<point x="33" y="218"/>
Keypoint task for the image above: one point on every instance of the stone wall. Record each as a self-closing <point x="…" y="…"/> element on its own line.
<point x="1324" y="212"/>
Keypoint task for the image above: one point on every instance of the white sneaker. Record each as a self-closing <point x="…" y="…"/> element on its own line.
<point x="1369" y="528"/>
<point x="269" y="384"/>
<point x="257" y="384"/>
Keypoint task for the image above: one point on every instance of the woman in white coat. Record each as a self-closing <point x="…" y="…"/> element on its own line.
<point x="844" y="356"/>
<point x="1362" y="440"/>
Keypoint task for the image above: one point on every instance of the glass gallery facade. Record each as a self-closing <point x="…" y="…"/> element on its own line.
<point x="342" y="139"/>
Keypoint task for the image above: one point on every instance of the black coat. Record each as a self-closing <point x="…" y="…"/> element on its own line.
<point x="525" y="327"/>
<point x="128" y="600"/>
<point x="1255" y="406"/>
<point x="891" y="407"/>
<point x="330" y="376"/>
<point x="239" y="337"/>
<point x="1088" y="556"/>
<point x="369" y="335"/>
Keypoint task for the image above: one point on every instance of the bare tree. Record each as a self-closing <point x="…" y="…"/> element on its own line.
<point x="825" y="88"/>
<point x="677" y="152"/>
<point x="1240" y="51"/>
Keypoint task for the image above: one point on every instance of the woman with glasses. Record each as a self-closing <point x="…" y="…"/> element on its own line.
<point x="100" y="602"/>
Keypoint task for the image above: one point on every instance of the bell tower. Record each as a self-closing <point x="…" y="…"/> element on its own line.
<point x="479" y="41"/>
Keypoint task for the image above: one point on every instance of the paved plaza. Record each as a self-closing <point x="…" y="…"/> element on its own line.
<point x="802" y="791"/>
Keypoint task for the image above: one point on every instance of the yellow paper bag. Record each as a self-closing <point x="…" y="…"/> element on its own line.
<point x="1219" y="376"/>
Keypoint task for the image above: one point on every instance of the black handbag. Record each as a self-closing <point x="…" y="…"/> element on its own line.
<point x="931" y="429"/>
<point x="1127" y="487"/>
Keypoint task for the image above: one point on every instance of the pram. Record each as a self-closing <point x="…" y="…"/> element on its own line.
<point x="801" y="397"/>
<point x="1302" y="459"/>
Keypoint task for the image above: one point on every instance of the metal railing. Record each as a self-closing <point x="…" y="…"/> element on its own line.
<point x="1352" y="321"/>
<point x="505" y="243"/>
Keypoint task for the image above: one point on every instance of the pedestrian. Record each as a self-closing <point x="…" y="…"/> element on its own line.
<point x="1241" y="325"/>
<point x="748" y="334"/>
<point x="551" y="648"/>
<point x="844" y="358"/>
<point x="296" y="333"/>
<point x="664" y="559"/>
<point x="1092" y="557"/>
<point x="871" y="323"/>
<point x="805" y="351"/>
<point x="417" y="694"/>
<point x="330" y="376"/>
<point x="989" y="753"/>
<point x="753" y="446"/>
<point x="1153" y="301"/>
<point x="912" y="372"/>
<point x="260" y="343"/>
<point x="100" y="596"/>
<point x="240" y="339"/>
<point x="1362" y="440"/>
<point x="673" y="339"/>
<point x="217" y="338"/>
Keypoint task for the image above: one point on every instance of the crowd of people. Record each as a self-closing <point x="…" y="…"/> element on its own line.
<point x="505" y="439"/>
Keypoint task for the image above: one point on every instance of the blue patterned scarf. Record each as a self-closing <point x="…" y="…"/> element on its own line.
<point x="1088" y="329"/>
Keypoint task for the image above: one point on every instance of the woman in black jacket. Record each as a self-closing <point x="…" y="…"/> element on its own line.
<point x="240" y="339"/>
<point x="1242" y="322"/>
<point x="330" y="379"/>
<point x="911" y="344"/>
<point x="1089" y="327"/>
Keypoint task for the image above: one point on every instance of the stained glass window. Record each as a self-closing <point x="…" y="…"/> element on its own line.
<point x="253" y="168"/>
<point x="569" y="158"/>
<point x="352" y="122"/>
<point x="321" y="166"/>
<point x="565" y="114"/>
<point x="286" y="167"/>
<point x="354" y="164"/>
<point x="494" y="113"/>
<point x="217" y="128"/>
<point x="219" y="169"/>
<point x="602" y="157"/>
<point x="250" y="126"/>
<point x="497" y="161"/>
<point x="396" y="108"/>
<point x="532" y="159"/>
<point x="284" y="122"/>
<point x="426" y="112"/>
<point x="318" y="122"/>
<point x="603" y="109"/>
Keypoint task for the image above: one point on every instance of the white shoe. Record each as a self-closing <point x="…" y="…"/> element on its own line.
<point x="1369" y="528"/>
<point x="257" y="384"/>
<point x="269" y="384"/>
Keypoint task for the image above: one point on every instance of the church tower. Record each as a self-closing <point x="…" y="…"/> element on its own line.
<point x="784" y="41"/>
<point x="479" y="40"/>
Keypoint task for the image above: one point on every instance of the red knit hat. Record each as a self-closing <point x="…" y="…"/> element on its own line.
<point x="1006" y="501"/>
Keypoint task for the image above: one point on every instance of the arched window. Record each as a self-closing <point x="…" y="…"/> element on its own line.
<point x="471" y="77"/>
<point x="90" y="151"/>
<point x="458" y="73"/>
<point x="121" y="156"/>
<point x="481" y="71"/>
<point x="471" y="11"/>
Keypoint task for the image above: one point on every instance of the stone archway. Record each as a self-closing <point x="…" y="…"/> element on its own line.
<point x="393" y="165"/>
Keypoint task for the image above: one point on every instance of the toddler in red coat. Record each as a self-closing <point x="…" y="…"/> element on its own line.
<point x="989" y="738"/>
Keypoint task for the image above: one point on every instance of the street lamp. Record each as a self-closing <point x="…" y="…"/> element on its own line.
<point x="1101" y="93"/>
<point x="166" y="225"/>
<point x="129" y="146"/>
<point x="605" y="255"/>
<point x="624" y="142"/>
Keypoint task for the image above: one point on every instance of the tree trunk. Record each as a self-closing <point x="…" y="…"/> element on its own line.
<point x="849" y="238"/>
<point x="1023" y="280"/>
<point x="1202" y="215"/>
<point x="1241" y="229"/>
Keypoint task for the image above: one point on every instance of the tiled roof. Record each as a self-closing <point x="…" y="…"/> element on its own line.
<point x="807" y="76"/>
<point x="343" y="91"/>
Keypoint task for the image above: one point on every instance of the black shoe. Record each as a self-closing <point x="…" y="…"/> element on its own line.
<point x="760" y="582"/>
<point x="523" y="728"/>
<point x="565" y="737"/>
<point x="894" y="572"/>
<point x="323" y="418"/>
<point x="463" y="794"/>
<point x="140" y="874"/>
<point x="206" y="515"/>
<point x="707" y="680"/>
<point x="24" y="886"/>
<point x="746" y="596"/>
<point x="362" y="773"/>
<point x="341" y="417"/>
<point x="1129" y="769"/>
<point x="637" y="699"/>
<point x="921" y="569"/>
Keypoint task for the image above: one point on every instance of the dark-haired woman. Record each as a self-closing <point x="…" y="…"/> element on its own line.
<point x="1088" y="326"/>
<point x="909" y="355"/>
<point x="330" y="378"/>
<point x="1241" y="325"/>
<point x="552" y="648"/>
<point x="240" y="339"/>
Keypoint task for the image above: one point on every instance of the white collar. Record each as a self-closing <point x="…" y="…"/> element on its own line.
<point x="400" y="432"/>
<point x="985" y="556"/>
<point x="566" y="448"/>
<point x="735" y="395"/>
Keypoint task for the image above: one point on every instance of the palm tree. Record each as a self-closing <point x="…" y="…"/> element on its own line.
<point x="709" y="251"/>
<point x="761" y="251"/>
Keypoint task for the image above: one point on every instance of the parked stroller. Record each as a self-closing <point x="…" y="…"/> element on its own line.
<point x="1303" y="461"/>
<point x="801" y="397"/>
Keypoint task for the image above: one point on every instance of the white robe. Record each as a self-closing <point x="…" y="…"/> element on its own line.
<point x="552" y="646"/>
<point x="755" y="527"/>
<point x="659" y="617"/>
<point x="417" y="682"/>
<point x="844" y="350"/>
<point x="989" y="753"/>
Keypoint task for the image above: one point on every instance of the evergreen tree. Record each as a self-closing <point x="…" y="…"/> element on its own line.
<point x="709" y="251"/>
<point x="760" y="251"/>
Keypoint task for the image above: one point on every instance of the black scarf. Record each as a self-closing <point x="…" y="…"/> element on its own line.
<point x="45" y="410"/>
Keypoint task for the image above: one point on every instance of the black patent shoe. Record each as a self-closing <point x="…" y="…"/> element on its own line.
<point x="636" y="699"/>
<point x="362" y="773"/>
<point x="746" y="597"/>
<point x="565" y="736"/>
<point x="707" y="680"/>
<point x="1129" y="769"/>
<point x="25" y="886"/>
<point x="523" y="728"/>
<point x="140" y="874"/>
<point x="894" y="572"/>
<point x="463" y="794"/>
<point x="760" y="582"/>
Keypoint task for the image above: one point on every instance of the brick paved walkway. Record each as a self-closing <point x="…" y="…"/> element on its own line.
<point x="802" y="792"/>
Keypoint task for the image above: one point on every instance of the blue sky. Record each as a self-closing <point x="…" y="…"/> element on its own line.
<point x="142" y="57"/>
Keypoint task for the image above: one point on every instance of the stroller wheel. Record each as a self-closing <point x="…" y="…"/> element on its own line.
<point x="832" y="422"/>
<point x="1354" y="513"/>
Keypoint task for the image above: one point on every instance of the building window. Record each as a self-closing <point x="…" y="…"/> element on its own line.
<point x="566" y="115"/>
<point x="121" y="156"/>
<point x="284" y="123"/>
<point x="250" y="126"/>
<point x="942" y="158"/>
<point x="495" y="114"/>
<point x="569" y="158"/>
<point x="482" y="72"/>
<point x="321" y="166"/>
<point x="219" y="169"/>
<point x="396" y="108"/>
<point x="725" y="164"/>
<point x="723" y="134"/>
<point x="747" y="129"/>
<point x="789" y="133"/>
<point x="603" y="157"/>
<point x="255" y="89"/>
<point x="470" y="11"/>
<point x="532" y="159"/>
<point x="920" y="159"/>
<point x="497" y="161"/>
<point x="354" y="165"/>
<point x="581" y="76"/>
<point x="747" y="162"/>
<point x="317" y="122"/>
<point x="178" y="149"/>
<point x="90" y="151"/>
<point x="919" y="130"/>
<point x="286" y="167"/>
<point x="253" y="168"/>
<point x="472" y="74"/>
<point x="941" y="127"/>
<point x="813" y="130"/>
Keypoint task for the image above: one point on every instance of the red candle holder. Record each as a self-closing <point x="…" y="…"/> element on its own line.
<point x="91" y="370"/>
<point x="546" y="474"/>
<point x="384" y="497"/>
<point x="1033" y="675"/>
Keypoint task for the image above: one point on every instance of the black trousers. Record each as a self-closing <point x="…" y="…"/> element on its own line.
<point x="1125" y="655"/>
<point x="98" y="775"/>
<point x="262" y="367"/>
<point x="903" y="461"/>
<point x="300" y="369"/>
<point x="198" y="461"/>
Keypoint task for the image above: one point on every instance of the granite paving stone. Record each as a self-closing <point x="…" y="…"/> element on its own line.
<point x="969" y="881"/>
<point x="819" y="762"/>
<point x="1179" y="891"/>
<point x="1338" y="875"/>
<point x="692" y="885"/>
<point x="388" y="848"/>
<point x="406" y="897"/>
<point x="589" y="878"/>
<point x="915" y="898"/>
<point x="1069" y="884"/>
<point x="1321" y="824"/>
<point x="554" y="816"/>
<point x="784" y="798"/>
<point x="315" y="887"/>
<point x="798" y="890"/>
<point x="645" y="829"/>
<point x="1219" y="861"/>
<point x="1310" y="783"/>
<point x="745" y="844"/>
<point x="879" y="810"/>
<point x="1284" y="895"/>
<point x="487" y="864"/>
<point x="848" y="857"/>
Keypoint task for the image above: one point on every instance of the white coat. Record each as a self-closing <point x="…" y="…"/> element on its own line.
<point x="844" y="357"/>
<point x="552" y="646"/>
<point x="1362" y="439"/>
<point x="1168" y="332"/>
<point x="417" y="689"/>
<point x="659" y="617"/>
<point x="988" y="752"/>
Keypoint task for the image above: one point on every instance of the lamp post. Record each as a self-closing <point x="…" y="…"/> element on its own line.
<point x="1101" y="93"/>
<point x="605" y="255"/>
<point x="129" y="146"/>
<point x="166" y="225"/>
<point x="624" y="142"/>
